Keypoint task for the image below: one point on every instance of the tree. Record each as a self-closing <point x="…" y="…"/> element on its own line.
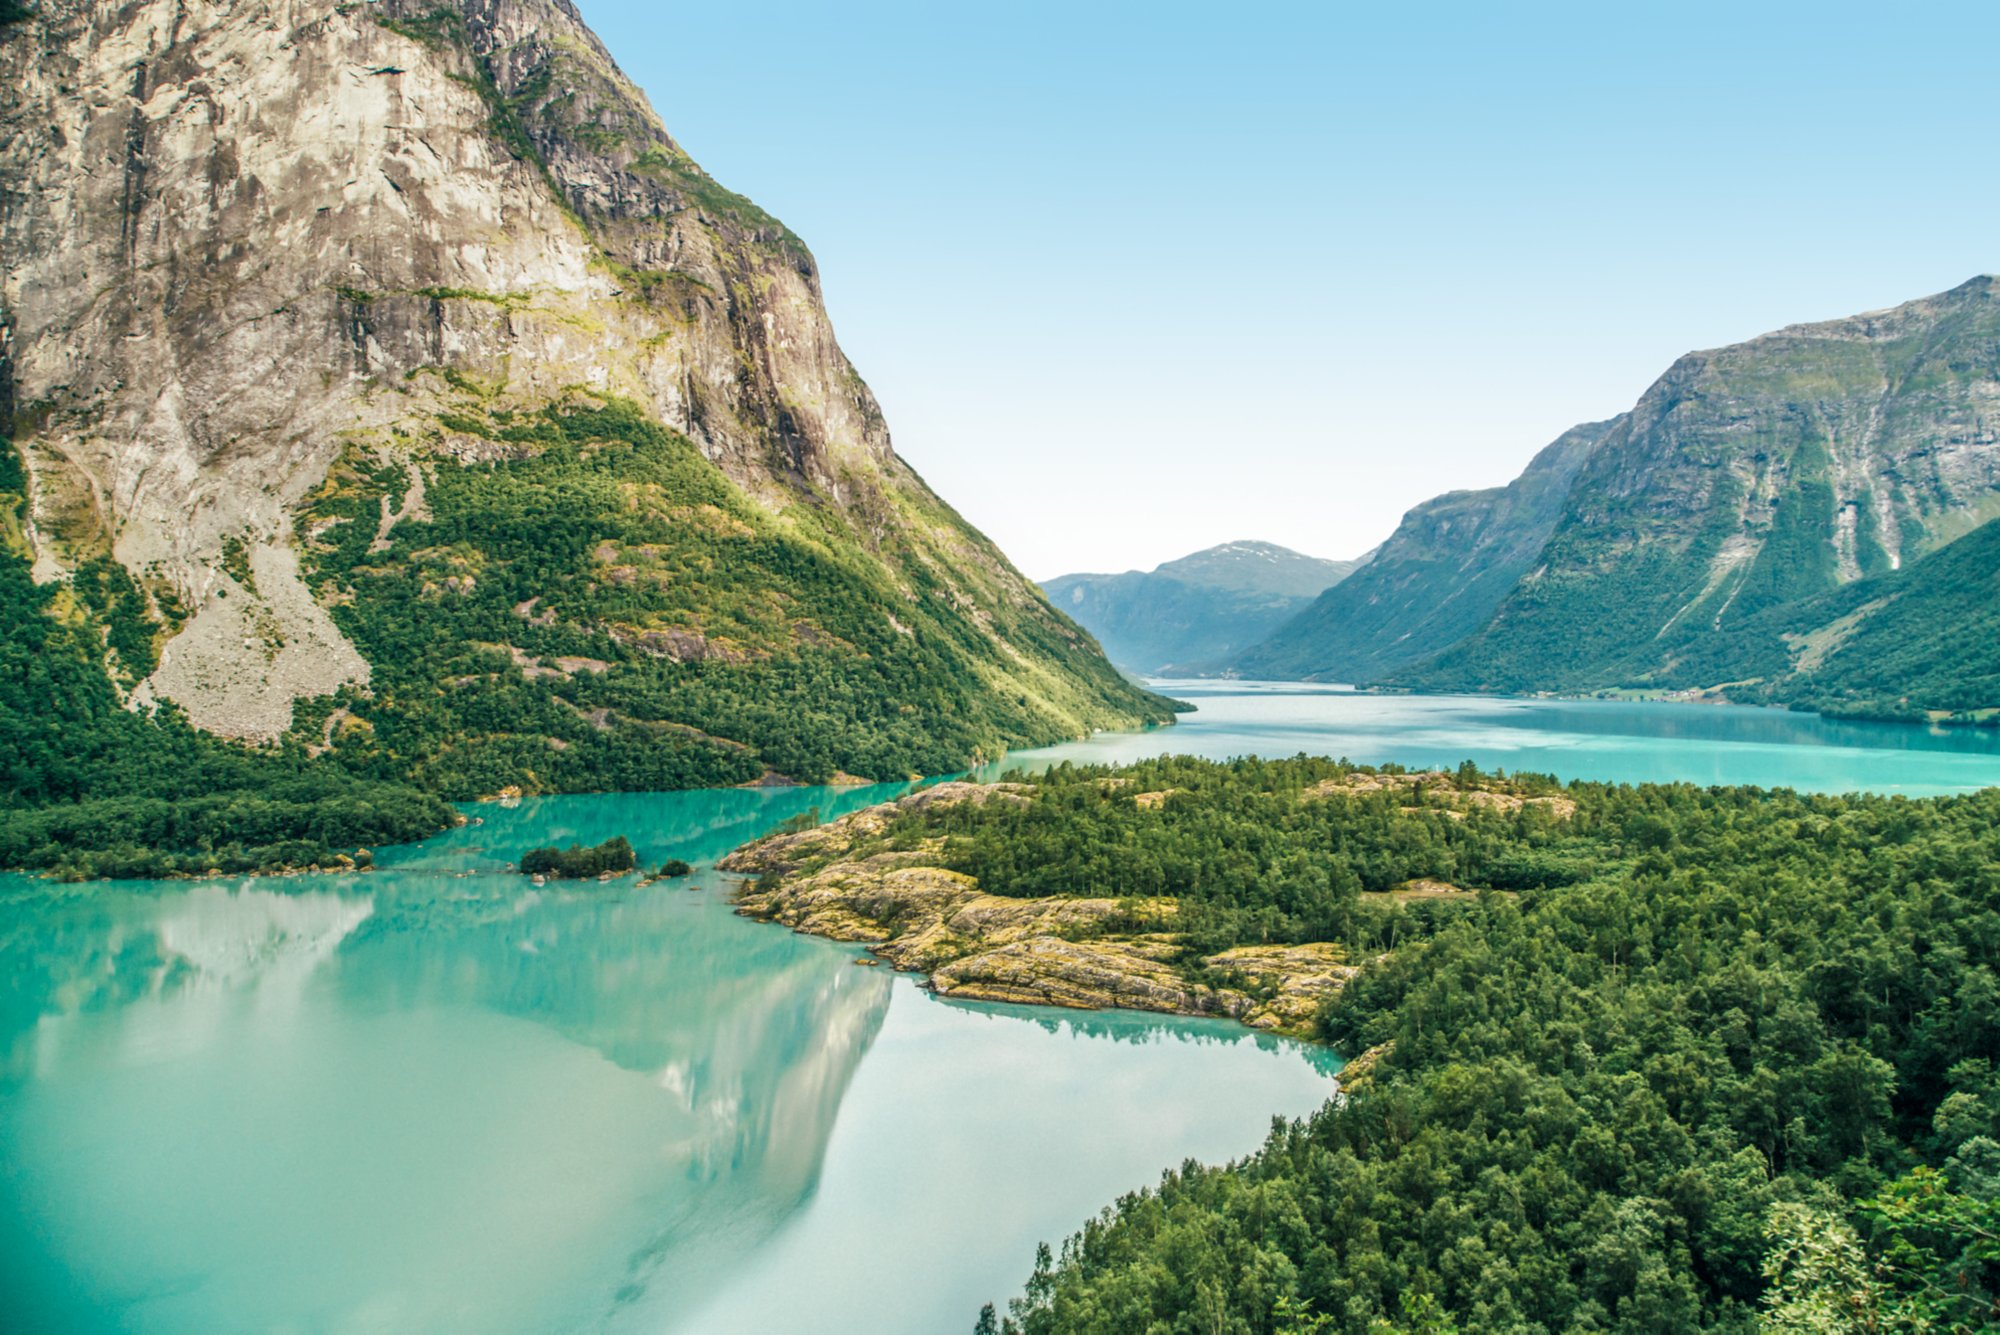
<point x="1940" y="1251"/>
<point x="1818" y="1276"/>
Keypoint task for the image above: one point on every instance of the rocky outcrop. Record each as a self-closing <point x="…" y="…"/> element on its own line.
<point x="243" y="242"/>
<point x="1084" y="953"/>
<point x="1437" y="789"/>
<point x="789" y="849"/>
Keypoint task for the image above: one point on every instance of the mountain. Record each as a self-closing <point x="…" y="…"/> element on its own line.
<point x="1436" y="580"/>
<point x="1922" y="642"/>
<point x="1741" y="528"/>
<point x="1198" y="610"/>
<point x="386" y="386"/>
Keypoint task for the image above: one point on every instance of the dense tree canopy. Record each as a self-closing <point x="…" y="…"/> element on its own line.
<point x="1695" y="1059"/>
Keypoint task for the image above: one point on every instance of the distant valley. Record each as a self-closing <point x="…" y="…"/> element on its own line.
<point x="1195" y="614"/>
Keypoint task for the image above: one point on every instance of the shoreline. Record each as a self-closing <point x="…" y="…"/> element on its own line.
<point x="1063" y="952"/>
<point x="1985" y="720"/>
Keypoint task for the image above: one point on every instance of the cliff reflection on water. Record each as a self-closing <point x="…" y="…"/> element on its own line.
<point x="412" y="1099"/>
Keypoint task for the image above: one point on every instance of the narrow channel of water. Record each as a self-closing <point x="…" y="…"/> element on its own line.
<point x="1617" y="741"/>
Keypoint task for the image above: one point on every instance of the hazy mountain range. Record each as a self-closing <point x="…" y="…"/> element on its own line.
<point x="1198" y="612"/>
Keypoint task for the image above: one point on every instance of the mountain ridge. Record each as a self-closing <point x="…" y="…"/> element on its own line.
<point x="1749" y="483"/>
<point x="1736" y="535"/>
<point x="477" y="435"/>
<point x="1416" y="597"/>
<point x="1186" y="614"/>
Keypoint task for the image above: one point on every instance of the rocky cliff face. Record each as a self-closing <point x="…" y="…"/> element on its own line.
<point x="1447" y="566"/>
<point x="250" y="248"/>
<point x="1748" y="483"/>
<point x="1782" y="520"/>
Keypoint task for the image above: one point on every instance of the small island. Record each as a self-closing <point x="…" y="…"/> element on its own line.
<point x="613" y="857"/>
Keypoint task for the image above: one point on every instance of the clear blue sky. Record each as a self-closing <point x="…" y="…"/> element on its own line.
<point x="1135" y="278"/>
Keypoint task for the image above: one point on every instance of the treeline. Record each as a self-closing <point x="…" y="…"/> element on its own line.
<point x="576" y="862"/>
<point x="710" y="643"/>
<point x="1701" y="1059"/>
<point x="1271" y="851"/>
<point x="303" y="823"/>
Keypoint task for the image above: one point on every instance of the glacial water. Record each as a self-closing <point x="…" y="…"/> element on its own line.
<point x="437" y="1098"/>
<point x="1618" y="741"/>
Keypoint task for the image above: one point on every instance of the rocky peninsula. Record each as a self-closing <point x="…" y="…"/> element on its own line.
<point x="1082" y="953"/>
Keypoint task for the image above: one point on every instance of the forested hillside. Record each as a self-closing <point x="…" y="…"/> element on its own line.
<point x="487" y="442"/>
<point x="1684" y="1059"/>
<point x="89" y="788"/>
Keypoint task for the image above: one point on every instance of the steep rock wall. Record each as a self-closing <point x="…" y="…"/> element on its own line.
<point x="243" y="241"/>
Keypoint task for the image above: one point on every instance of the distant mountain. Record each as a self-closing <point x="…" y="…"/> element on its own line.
<point x="1703" y="541"/>
<point x="1784" y="520"/>
<point x="1447" y="566"/>
<point x="1199" y="610"/>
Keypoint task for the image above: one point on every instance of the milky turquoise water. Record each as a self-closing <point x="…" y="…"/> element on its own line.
<point x="1574" y="739"/>
<point x="437" y="1098"/>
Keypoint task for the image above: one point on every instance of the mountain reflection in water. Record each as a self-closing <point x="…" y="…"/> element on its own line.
<point x="454" y="1080"/>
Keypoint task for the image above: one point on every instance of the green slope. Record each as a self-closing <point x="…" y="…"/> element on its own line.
<point x="1748" y="484"/>
<point x="609" y="612"/>
<point x="1448" y="565"/>
<point x="1921" y="643"/>
<point x="632" y="523"/>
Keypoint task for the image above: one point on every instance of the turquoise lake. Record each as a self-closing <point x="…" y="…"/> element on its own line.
<point x="437" y="1098"/>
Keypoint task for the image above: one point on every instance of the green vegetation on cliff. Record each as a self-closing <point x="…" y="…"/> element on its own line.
<point x="1923" y="640"/>
<point x="1724" y="1054"/>
<point x="90" y="789"/>
<point x="600" y="609"/>
<point x="1800" y="519"/>
<point x="1756" y="495"/>
<point x="591" y="501"/>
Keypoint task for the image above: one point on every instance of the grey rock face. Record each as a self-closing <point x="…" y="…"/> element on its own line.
<point x="240" y="239"/>
<point x="1746" y="484"/>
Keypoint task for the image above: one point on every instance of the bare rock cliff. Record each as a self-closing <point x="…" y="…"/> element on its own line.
<point x="244" y="239"/>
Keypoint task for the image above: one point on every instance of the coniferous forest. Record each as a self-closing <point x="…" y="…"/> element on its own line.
<point x="1694" y="1059"/>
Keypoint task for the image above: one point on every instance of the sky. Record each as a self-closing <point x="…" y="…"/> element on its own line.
<point x="1133" y="279"/>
